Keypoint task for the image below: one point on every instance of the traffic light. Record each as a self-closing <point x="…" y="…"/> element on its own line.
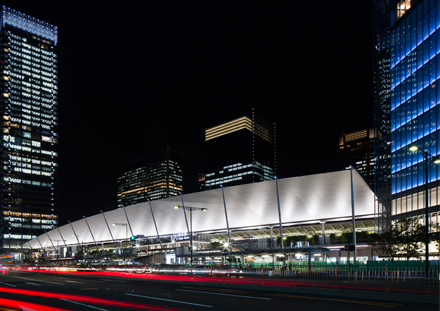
<point x="132" y="238"/>
<point x="350" y="247"/>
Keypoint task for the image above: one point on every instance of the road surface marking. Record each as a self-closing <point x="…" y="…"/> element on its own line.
<point x="83" y="304"/>
<point x="37" y="280"/>
<point x="220" y="294"/>
<point x="225" y="290"/>
<point x="8" y="284"/>
<point x="110" y="280"/>
<point x="177" y="301"/>
<point x="33" y="283"/>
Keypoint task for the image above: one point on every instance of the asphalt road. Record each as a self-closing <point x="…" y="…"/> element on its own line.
<point x="43" y="291"/>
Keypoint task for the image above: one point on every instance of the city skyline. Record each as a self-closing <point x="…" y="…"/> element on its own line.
<point x="137" y="78"/>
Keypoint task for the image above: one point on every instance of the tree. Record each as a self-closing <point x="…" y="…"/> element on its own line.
<point x="434" y="234"/>
<point x="409" y="235"/>
<point x="383" y="244"/>
<point x="404" y="239"/>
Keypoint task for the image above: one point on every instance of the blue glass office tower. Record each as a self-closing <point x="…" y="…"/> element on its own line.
<point x="29" y="113"/>
<point x="415" y="109"/>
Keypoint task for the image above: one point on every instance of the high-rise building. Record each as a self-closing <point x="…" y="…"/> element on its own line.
<point x="415" y="110"/>
<point x="357" y="149"/>
<point x="29" y="108"/>
<point x="382" y="115"/>
<point x="158" y="175"/>
<point x="240" y="151"/>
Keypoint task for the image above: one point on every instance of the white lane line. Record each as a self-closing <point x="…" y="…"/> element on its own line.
<point x="82" y="281"/>
<point x="176" y="301"/>
<point x="8" y="284"/>
<point x="37" y="280"/>
<point x="220" y="294"/>
<point x="83" y="304"/>
<point x="110" y="280"/>
<point x="33" y="283"/>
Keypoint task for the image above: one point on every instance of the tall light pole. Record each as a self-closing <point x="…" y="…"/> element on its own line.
<point x="126" y="229"/>
<point x="436" y="160"/>
<point x="190" y="209"/>
<point x="122" y="224"/>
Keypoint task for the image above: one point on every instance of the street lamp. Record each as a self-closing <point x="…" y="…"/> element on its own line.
<point x="436" y="160"/>
<point x="190" y="209"/>
<point x="126" y="229"/>
<point x="122" y="224"/>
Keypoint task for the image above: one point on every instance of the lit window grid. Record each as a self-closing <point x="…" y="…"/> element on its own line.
<point x="415" y="98"/>
<point x="131" y="184"/>
<point x="31" y="104"/>
<point x="29" y="24"/>
<point x="263" y="171"/>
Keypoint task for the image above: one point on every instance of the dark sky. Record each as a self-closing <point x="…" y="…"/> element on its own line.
<point x="139" y="75"/>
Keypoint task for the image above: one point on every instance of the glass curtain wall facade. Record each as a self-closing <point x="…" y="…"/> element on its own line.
<point x="29" y="108"/>
<point x="239" y="152"/>
<point x="382" y="115"/>
<point x="415" y="110"/>
<point x="158" y="175"/>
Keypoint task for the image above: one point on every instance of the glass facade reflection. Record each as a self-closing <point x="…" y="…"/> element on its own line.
<point x="29" y="110"/>
<point x="415" y="110"/>
<point x="382" y="115"/>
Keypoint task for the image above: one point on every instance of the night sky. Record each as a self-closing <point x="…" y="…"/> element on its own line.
<point x="140" y="75"/>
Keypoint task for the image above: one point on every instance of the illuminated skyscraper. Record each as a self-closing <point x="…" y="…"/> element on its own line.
<point x="240" y="151"/>
<point x="158" y="175"/>
<point x="415" y="106"/>
<point x="29" y="109"/>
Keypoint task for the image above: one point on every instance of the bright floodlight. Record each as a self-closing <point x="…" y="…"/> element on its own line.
<point x="114" y="224"/>
<point x="413" y="148"/>
<point x="226" y="244"/>
<point x="204" y="209"/>
<point x="436" y="160"/>
<point x="176" y="206"/>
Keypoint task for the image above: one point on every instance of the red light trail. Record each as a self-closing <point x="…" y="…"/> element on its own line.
<point x="79" y="298"/>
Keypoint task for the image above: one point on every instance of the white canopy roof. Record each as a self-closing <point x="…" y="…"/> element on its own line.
<point x="302" y="199"/>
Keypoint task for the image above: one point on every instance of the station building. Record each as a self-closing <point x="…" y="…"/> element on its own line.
<point x="243" y="222"/>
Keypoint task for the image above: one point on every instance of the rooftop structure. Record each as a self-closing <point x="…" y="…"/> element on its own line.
<point x="304" y="201"/>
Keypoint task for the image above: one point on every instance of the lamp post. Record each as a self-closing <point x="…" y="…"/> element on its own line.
<point x="436" y="160"/>
<point x="122" y="224"/>
<point x="126" y="234"/>
<point x="190" y="209"/>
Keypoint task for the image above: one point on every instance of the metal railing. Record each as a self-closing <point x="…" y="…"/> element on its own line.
<point x="382" y="276"/>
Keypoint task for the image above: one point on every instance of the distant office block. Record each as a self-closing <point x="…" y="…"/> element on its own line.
<point x="240" y="151"/>
<point x="158" y="175"/>
<point x="357" y="149"/>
